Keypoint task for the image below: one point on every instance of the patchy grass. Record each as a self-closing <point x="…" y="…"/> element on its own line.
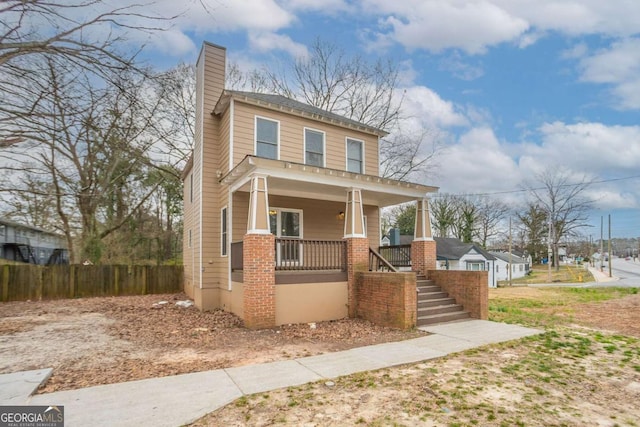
<point x="559" y="378"/>
<point x="540" y="274"/>
<point x="546" y="307"/>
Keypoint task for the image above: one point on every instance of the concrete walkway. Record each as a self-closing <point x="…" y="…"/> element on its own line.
<point x="181" y="399"/>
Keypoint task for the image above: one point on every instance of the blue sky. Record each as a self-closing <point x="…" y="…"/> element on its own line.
<point x="509" y="86"/>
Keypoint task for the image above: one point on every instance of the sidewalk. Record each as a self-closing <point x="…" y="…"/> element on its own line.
<point x="181" y="399"/>
<point x="602" y="276"/>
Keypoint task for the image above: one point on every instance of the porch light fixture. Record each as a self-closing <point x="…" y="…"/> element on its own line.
<point x="341" y="215"/>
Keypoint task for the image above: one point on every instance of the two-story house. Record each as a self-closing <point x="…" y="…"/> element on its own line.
<point x="282" y="204"/>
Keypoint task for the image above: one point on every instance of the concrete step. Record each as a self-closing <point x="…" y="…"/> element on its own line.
<point x="442" y="318"/>
<point x="435" y="302"/>
<point x="423" y="296"/>
<point x="423" y="282"/>
<point x="440" y="309"/>
<point x="429" y="288"/>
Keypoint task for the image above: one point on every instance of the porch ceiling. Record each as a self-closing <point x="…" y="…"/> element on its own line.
<point x="311" y="182"/>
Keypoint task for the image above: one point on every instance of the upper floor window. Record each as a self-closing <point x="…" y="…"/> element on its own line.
<point x="355" y="155"/>
<point x="314" y="147"/>
<point x="267" y="138"/>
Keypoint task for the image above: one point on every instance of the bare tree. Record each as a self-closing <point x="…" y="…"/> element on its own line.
<point x="564" y="203"/>
<point x="86" y="34"/>
<point x="490" y="216"/>
<point x="82" y="31"/>
<point x="92" y="141"/>
<point x="174" y="119"/>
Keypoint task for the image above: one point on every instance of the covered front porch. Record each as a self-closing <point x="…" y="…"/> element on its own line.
<point x="308" y="231"/>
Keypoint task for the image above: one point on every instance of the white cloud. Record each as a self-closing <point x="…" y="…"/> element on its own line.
<point x="575" y="52"/>
<point x="435" y="25"/>
<point x="590" y="147"/>
<point x="477" y="163"/>
<point x="216" y="15"/>
<point x="329" y="7"/>
<point x="475" y="25"/>
<point x="267" y="42"/>
<point x="577" y="17"/>
<point x="172" y="42"/>
<point x="618" y="65"/>
<point x="461" y="68"/>
<point x="608" y="197"/>
<point x="430" y="110"/>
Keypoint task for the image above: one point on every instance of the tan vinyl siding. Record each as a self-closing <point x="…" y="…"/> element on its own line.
<point x="373" y="219"/>
<point x="291" y="143"/>
<point x="240" y="214"/>
<point x="207" y="263"/>
<point x="223" y="146"/>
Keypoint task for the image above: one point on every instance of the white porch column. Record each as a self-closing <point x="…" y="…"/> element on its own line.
<point x="258" y="221"/>
<point x="354" y="218"/>
<point x="422" y="230"/>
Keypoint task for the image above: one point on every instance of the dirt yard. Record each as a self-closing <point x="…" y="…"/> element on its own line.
<point x="95" y="341"/>
<point x="584" y="371"/>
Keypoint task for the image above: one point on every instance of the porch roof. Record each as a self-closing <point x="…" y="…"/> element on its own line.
<point x="313" y="182"/>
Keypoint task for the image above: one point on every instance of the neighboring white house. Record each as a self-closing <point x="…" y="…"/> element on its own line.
<point x="519" y="266"/>
<point x="453" y="254"/>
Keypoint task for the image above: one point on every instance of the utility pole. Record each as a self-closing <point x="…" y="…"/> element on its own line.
<point x="601" y="244"/>
<point x="610" y="275"/>
<point x="549" y="252"/>
<point x="510" y="255"/>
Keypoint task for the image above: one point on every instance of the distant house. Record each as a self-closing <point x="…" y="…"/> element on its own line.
<point x="24" y="243"/>
<point x="519" y="266"/>
<point x="453" y="254"/>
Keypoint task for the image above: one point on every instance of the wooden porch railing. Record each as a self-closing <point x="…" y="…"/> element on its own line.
<point x="303" y="254"/>
<point x="300" y="255"/>
<point x="378" y="263"/>
<point x="397" y="255"/>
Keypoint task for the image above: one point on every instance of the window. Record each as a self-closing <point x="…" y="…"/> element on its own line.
<point x="314" y="147"/>
<point x="223" y="231"/>
<point x="475" y="265"/>
<point x="266" y="138"/>
<point x="355" y="159"/>
<point x="189" y="240"/>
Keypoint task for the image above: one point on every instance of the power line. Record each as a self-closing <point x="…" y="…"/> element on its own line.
<point x="524" y="190"/>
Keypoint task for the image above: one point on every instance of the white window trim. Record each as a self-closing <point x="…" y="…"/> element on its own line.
<point x="346" y="154"/>
<point x="224" y="248"/>
<point x="255" y="134"/>
<point x="468" y="263"/>
<point x="324" y="145"/>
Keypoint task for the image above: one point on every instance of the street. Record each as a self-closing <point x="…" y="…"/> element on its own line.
<point x="627" y="271"/>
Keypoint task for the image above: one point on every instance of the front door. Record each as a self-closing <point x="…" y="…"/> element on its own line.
<point x="286" y="224"/>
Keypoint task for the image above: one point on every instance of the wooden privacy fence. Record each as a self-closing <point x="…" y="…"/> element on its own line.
<point x="34" y="282"/>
